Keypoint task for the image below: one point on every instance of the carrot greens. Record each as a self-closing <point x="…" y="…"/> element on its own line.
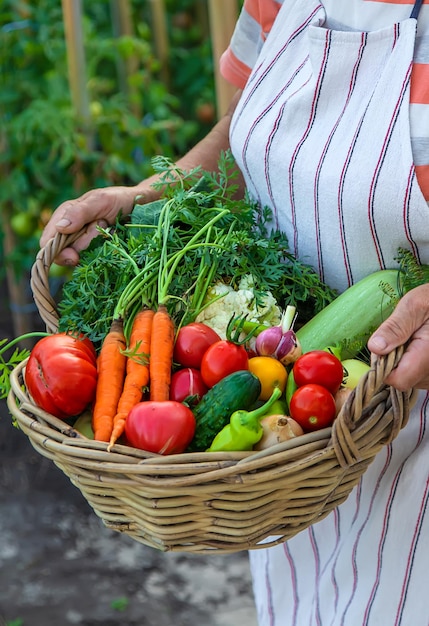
<point x="172" y="250"/>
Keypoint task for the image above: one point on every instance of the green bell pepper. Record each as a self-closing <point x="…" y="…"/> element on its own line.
<point x="244" y="428"/>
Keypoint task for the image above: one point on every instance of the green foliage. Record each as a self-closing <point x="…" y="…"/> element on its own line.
<point x="6" y="366"/>
<point x="49" y="154"/>
<point x="120" y="604"/>
<point x="176" y="248"/>
<point x="412" y="272"/>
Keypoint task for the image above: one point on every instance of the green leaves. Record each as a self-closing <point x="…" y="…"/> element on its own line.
<point x="6" y="366"/>
<point x="48" y="155"/>
<point x="174" y="249"/>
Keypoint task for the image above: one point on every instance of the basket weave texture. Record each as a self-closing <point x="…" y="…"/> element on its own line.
<point x="214" y="502"/>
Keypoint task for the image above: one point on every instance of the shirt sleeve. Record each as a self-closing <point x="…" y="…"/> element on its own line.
<point x="253" y="25"/>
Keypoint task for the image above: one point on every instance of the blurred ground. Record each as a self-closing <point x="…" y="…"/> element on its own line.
<point x="60" y="566"/>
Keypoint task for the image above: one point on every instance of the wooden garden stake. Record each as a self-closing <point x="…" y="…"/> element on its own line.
<point x="223" y="16"/>
<point x="122" y="25"/>
<point x="72" y="15"/>
<point x="159" y="22"/>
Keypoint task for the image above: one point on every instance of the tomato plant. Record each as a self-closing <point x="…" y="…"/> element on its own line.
<point x="313" y="407"/>
<point x="161" y="427"/>
<point x="191" y="342"/>
<point x="61" y="374"/>
<point x="23" y="224"/>
<point x="35" y="93"/>
<point x="222" y="358"/>
<point x="271" y="374"/>
<point x="320" y="367"/>
<point x="187" y="383"/>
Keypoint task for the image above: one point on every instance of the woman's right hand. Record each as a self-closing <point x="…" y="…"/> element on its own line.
<point x="98" y="207"/>
<point x="407" y="325"/>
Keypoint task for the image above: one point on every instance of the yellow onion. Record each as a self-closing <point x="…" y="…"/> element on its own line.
<point x="277" y="428"/>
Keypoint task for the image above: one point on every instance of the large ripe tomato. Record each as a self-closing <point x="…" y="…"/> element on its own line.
<point x="313" y="407"/>
<point x="161" y="427"/>
<point x="319" y="367"/>
<point x="191" y="342"/>
<point x="222" y="358"/>
<point x="61" y="374"/>
<point x="187" y="383"/>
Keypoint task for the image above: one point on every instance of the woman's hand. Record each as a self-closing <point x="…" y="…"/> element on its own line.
<point x="98" y="207"/>
<point x="408" y="324"/>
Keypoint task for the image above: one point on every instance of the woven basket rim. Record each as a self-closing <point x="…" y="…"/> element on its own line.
<point x="215" y="501"/>
<point x="23" y="408"/>
<point x="370" y="384"/>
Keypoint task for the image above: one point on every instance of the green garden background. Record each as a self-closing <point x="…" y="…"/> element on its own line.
<point x="90" y="91"/>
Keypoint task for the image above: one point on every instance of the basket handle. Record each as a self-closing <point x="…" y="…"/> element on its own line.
<point x="375" y="404"/>
<point x="39" y="277"/>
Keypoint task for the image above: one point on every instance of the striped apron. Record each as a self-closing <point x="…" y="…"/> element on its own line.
<point x="322" y="137"/>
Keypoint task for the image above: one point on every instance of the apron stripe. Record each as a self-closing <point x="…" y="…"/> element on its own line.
<point x="260" y="118"/>
<point x="315" y="550"/>
<point x="380" y="162"/>
<point x="269" y="591"/>
<point x="328" y="142"/>
<point x="412" y="556"/>
<point x="300" y="143"/>
<point x="387" y="518"/>
<point x="294" y="586"/>
<point x="381" y="546"/>
<point x="334" y="582"/>
<point x="371" y="503"/>
<point x="407" y="211"/>
<point x="341" y="213"/>
<point x="270" y="140"/>
<point x="257" y="80"/>
<point x="257" y="83"/>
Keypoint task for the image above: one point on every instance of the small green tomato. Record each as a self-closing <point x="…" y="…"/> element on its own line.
<point x="354" y="369"/>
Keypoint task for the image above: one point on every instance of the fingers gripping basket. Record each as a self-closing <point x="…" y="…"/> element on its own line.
<point x="222" y="502"/>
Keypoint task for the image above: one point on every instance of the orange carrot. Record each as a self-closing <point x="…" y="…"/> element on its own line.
<point x="137" y="371"/>
<point x="161" y="355"/>
<point x="111" y="364"/>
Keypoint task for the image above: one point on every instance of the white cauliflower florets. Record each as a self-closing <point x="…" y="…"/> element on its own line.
<point x="240" y="303"/>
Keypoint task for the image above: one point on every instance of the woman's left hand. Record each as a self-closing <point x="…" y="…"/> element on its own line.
<point x="408" y="324"/>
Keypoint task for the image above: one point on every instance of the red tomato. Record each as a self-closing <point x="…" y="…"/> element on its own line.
<point x="320" y="367"/>
<point x="187" y="383"/>
<point x="313" y="407"/>
<point x="222" y="358"/>
<point x="191" y="342"/>
<point x="61" y="374"/>
<point x="162" y="427"/>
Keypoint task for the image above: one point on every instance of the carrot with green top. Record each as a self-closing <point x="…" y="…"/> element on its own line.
<point x="111" y="365"/>
<point x="137" y="371"/>
<point x="161" y="355"/>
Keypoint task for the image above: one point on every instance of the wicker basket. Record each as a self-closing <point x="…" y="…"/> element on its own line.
<point x="214" y="502"/>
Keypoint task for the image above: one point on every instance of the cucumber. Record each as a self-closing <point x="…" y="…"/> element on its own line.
<point x="239" y="390"/>
<point x="353" y="316"/>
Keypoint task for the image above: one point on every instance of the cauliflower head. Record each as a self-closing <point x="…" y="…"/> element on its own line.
<point x="222" y="302"/>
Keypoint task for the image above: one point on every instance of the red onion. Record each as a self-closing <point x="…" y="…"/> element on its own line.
<point x="280" y="341"/>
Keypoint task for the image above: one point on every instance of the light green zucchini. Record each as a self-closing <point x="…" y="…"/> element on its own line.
<point x="353" y="316"/>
